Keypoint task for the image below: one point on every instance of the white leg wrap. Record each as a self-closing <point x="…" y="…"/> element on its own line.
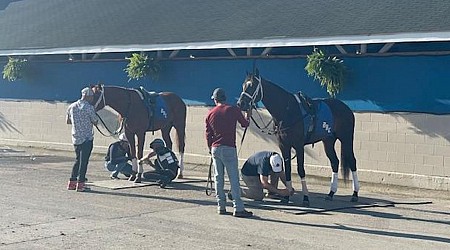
<point x="355" y="181"/>
<point x="134" y="165"/>
<point x="140" y="168"/>
<point x="304" y="187"/>
<point x="181" y="162"/>
<point x="334" y="182"/>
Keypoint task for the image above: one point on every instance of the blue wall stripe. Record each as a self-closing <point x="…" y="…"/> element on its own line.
<point x="382" y="84"/>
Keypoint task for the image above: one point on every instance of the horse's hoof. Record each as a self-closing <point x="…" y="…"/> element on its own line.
<point x="305" y="201"/>
<point x="138" y="178"/>
<point x="329" y="197"/>
<point x="354" y="197"/>
<point x="132" y="178"/>
<point x="180" y="176"/>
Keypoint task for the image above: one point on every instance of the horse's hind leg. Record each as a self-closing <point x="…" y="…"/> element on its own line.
<point x="349" y="163"/>
<point x="181" y="137"/>
<point x="329" y="144"/>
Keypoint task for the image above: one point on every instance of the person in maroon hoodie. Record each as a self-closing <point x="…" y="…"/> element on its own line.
<point x="221" y="139"/>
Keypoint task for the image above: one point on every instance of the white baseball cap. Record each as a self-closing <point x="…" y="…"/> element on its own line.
<point x="276" y="162"/>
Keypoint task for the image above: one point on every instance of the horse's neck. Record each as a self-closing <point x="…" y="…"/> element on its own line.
<point x="277" y="101"/>
<point x="118" y="99"/>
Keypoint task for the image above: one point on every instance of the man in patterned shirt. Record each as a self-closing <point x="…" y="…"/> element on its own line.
<point x="81" y="115"/>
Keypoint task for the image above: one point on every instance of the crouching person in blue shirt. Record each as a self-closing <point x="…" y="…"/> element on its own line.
<point x="116" y="160"/>
<point x="262" y="171"/>
<point x="165" y="165"/>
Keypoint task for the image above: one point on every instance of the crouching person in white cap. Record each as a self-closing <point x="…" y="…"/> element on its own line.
<point x="116" y="160"/>
<point x="165" y="165"/>
<point x="256" y="172"/>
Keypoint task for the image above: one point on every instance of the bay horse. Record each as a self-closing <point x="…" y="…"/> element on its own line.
<point x="135" y="120"/>
<point x="289" y="123"/>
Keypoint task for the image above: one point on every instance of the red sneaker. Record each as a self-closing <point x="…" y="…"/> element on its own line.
<point x="72" y="185"/>
<point x="81" y="187"/>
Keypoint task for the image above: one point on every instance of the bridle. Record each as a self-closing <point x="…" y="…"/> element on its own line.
<point x="100" y="99"/>
<point x="253" y="101"/>
<point x="258" y="89"/>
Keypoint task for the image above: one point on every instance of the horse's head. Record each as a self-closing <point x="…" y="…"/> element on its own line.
<point x="99" y="96"/>
<point x="251" y="92"/>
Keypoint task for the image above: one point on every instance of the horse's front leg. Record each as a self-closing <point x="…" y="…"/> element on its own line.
<point x="140" y="154"/>
<point x="300" y="151"/>
<point x="134" y="164"/>
<point x="286" y="153"/>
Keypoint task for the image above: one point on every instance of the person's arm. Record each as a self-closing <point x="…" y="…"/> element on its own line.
<point x="283" y="179"/>
<point x="93" y="115"/>
<point x="209" y="134"/>
<point x="265" y="183"/>
<point x="146" y="159"/>
<point x="243" y="120"/>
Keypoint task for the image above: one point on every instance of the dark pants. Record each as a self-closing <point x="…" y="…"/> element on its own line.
<point x="160" y="174"/>
<point x="83" y="152"/>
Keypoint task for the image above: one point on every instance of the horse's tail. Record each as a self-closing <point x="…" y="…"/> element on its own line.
<point x="348" y="161"/>
<point x="345" y="168"/>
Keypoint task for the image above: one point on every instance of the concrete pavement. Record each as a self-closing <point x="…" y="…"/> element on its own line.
<point x="37" y="212"/>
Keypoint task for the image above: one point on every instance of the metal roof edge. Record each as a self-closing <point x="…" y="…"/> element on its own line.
<point x="257" y="43"/>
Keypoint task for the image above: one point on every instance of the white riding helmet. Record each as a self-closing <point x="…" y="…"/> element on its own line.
<point x="276" y="162"/>
<point x="123" y="137"/>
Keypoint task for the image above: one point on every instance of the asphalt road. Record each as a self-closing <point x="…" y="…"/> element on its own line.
<point x="37" y="212"/>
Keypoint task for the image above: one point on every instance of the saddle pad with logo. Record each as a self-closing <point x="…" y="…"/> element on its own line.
<point x="323" y="123"/>
<point x="161" y="111"/>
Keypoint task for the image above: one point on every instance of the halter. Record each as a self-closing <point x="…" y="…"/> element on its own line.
<point x="259" y="89"/>
<point x="102" y="97"/>
<point x="255" y="94"/>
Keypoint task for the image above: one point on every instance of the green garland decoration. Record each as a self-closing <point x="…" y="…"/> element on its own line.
<point x="140" y="66"/>
<point x="15" y="69"/>
<point x="330" y="71"/>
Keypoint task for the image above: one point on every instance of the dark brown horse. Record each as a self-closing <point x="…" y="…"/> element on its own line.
<point x="290" y="120"/>
<point x="136" y="122"/>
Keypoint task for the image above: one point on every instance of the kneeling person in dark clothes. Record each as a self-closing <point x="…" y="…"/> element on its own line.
<point x="255" y="174"/>
<point x="116" y="160"/>
<point x="165" y="165"/>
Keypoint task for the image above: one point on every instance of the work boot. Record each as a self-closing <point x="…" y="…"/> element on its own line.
<point x="81" y="187"/>
<point x="138" y="178"/>
<point x="132" y="176"/>
<point x="72" y="185"/>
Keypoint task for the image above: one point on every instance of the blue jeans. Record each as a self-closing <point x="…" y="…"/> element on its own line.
<point x="225" y="157"/>
<point x="123" y="167"/>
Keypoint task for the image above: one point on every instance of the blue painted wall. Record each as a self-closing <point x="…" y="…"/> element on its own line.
<point x="397" y="83"/>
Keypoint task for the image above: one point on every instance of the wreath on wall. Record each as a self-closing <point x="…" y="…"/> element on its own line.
<point x="329" y="71"/>
<point x="14" y="69"/>
<point x="140" y="66"/>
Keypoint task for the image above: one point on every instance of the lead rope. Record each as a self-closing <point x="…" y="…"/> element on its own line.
<point x="209" y="182"/>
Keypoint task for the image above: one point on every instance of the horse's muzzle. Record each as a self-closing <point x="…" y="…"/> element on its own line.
<point x="244" y="106"/>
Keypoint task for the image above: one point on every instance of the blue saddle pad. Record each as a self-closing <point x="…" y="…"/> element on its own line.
<point x="161" y="112"/>
<point x="323" y="125"/>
